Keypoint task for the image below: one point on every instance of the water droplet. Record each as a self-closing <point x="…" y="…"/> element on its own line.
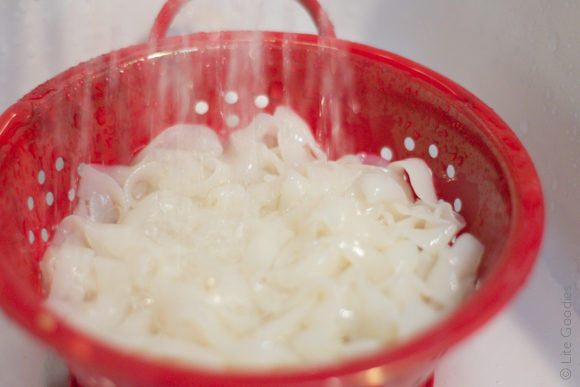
<point x="101" y="115"/>
<point x="276" y="91"/>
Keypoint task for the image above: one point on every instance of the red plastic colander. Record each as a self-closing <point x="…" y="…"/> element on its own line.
<point x="356" y="98"/>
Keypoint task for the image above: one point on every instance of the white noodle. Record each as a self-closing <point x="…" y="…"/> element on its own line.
<point x="259" y="253"/>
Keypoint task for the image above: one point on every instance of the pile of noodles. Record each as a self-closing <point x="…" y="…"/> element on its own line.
<point x="257" y="253"/>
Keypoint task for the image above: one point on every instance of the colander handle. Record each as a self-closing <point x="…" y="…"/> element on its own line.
<point x="172" y="7"/>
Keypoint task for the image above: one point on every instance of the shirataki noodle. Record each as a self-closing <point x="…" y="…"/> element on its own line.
<point x="257" y="253"/>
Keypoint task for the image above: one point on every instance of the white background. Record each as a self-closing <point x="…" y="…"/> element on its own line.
<point x="521" y="57"/>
